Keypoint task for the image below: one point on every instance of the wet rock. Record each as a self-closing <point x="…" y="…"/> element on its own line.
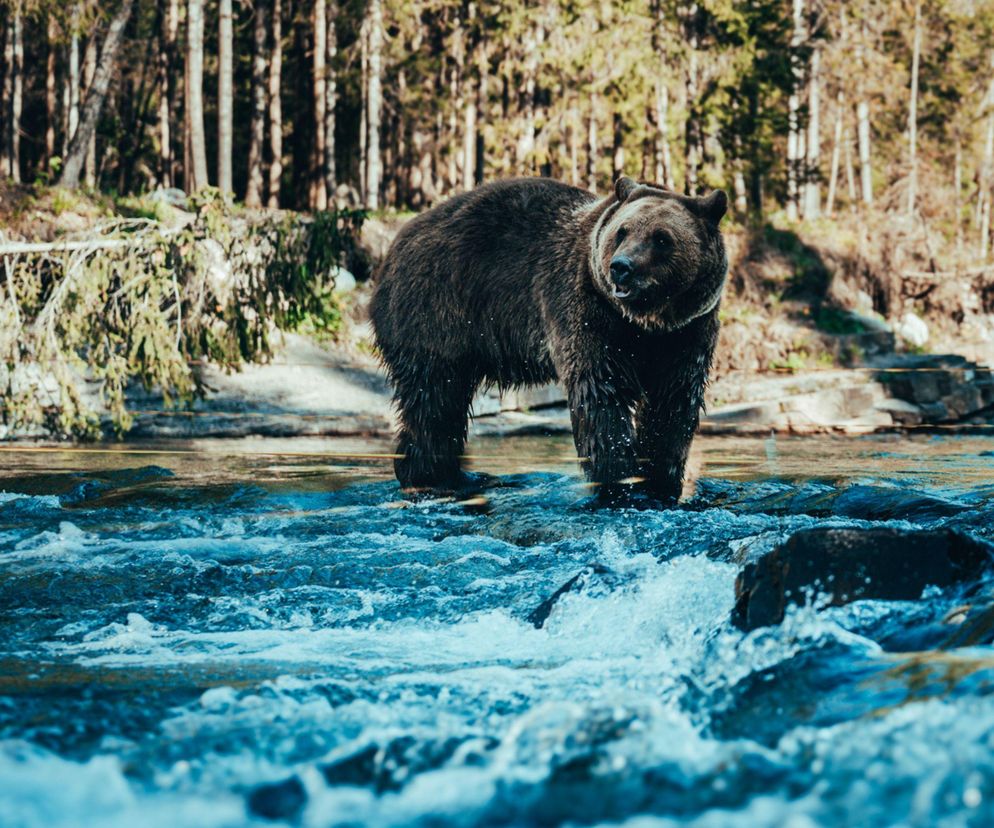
<point x="344" y="281"/>
<point x="854" y="564"/>
<point x="913" y="330"/>
<point x="589" y="574"/>
<point x="279" y="800"/>
<point x="388" y="767"/>
<point x="901" y="411"/>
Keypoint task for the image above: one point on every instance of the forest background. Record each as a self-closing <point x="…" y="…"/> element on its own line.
<point x="856" y="141"/>
<point x="808" y="106"/>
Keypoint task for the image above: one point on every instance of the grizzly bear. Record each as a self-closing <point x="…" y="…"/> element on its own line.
<point x="530" y="280"/>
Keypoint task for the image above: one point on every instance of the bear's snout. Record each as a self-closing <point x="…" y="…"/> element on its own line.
<point x="622" y="269"/>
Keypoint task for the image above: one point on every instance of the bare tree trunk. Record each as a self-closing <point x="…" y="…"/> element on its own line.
<point x="483" y="72"/>
<point x="225" y="97"/>
<point x="330" y="105"/>
<point x="364" y="109"/>
<point x="89" y="72"/>
<point x="526" y="95"/>
<point x="850" y="172"/>
<point x="986" y="169"/>
<point x="958" y="194"/>
<point x="257" y="120"/>
<point x="374" y="104"/>
<point x="812" y="190"/>
<point x="50" y="96"/>
<point x="319" y="21"/>
<point x="592" y="150"/>
<point x="196" y="172"/>
<point x="618" y="146"/>
<point x="453" y="136"/>
<point x="276" y="107"/>
<point x="913" y="111"/>
<point x="470" y="92"/>
<point x="794" y="152"/>
<point x="7" y="100"/>
<point x="663" y="161"/>
<point x="95" y="98"/>
<point x="72" y="110"/>
<point x="863" y="131"/>
<point x="833" y="178"/>
<point x="13" y="98"/>
<point x="694" y="150"/>
<point x="167" y="92"/>
<point x="574" y="144"/>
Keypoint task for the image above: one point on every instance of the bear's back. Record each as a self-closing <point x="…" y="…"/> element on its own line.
<point x="462" y="275"/>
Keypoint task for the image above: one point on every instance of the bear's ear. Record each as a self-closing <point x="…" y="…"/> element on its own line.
<point x="623" y="188"/>
<point x="713" y="207"/>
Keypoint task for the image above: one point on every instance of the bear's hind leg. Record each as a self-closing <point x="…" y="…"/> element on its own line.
<point x="433" y="401"/>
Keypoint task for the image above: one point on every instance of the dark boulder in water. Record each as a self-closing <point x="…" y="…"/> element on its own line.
<point x="583" y="579"/>
<point x="853" y="564"/>
<point x="278" y="800"/>
<point x="388" y="767"/>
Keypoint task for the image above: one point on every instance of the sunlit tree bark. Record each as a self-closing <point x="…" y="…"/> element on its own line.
<point x="95" y="96"/>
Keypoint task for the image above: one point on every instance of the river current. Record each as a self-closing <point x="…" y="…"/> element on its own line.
<point x="228" y="634"/>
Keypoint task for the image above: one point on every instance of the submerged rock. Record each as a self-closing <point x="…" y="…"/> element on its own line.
<point x="853" y="564"/>
<point x="388" y="767"/>
<point x="591" y="574"/>
<point x="279" y="800"/>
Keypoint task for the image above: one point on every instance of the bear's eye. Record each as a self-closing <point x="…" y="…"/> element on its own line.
<point x="662" y="240"/>
<point x="619" y="237"/>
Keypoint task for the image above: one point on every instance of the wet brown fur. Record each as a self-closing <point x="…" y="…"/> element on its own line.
<point x="508" y="285"/>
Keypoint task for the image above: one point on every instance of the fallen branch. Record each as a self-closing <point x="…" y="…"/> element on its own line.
<point x="948" y="274"/>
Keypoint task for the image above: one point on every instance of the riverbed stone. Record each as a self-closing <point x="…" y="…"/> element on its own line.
<point x="852" y="564"/>
<point x="278" y="800"/>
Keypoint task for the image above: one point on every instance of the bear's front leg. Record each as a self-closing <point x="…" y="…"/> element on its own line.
<point x="601" y="410"/>
<point x="675" y="379"/>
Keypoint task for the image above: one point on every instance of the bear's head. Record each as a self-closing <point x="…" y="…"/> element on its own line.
<point x="658" y="256"/>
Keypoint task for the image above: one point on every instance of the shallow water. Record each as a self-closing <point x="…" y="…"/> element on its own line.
<point x="185" y="625"/>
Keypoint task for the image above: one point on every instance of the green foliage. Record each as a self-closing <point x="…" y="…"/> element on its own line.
<point x="835" y="321"/>
<point x="146" y="305"/>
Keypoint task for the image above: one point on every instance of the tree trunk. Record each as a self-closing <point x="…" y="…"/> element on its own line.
<point x="526" y="97"/>
<point x="794" y="153"/>
<point x="913" y="112"/>
<point x="257" y="120"/>
<point x="167" y="91"/>
<point x="89" y="72"/>
<point x="592" y="145"/>
<point x="833" y="178"/>
<point x="276" y="107"/>
<point x="225" y="97"/>
<point x="958" y="194"/>
<point x="850" y="172"/>
<point x="319" y="21"/>
<point x="196" y="172"/>
<point x="482" y="90"/>
<point x="72" y="110"/>
<point x="374" y="104"/>
<point x="663" y="161"/>
<point x="863" y="128"/>
<point x="330" y="105"/>
<point x="574" y="144"/>
<point x="618" y="146"/>
<point x="50" y="96"/>
<point x="364" y="108"/>
<point x="865" y="172"/>
<point x="470" y="92"/>
<point x="812" y="190"/>
<point x="7" y="98"/>
<point x="13" y="98"/>
<point x="95" y="96"/>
